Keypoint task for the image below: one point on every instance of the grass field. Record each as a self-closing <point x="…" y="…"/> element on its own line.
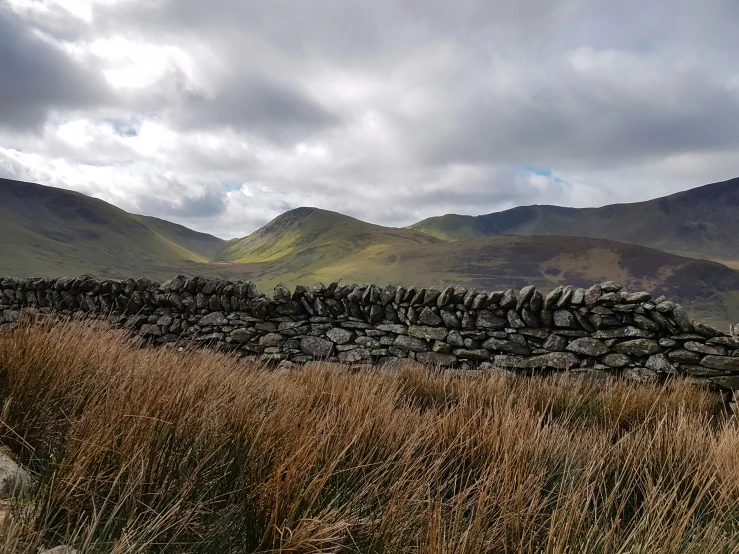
<point x="144" y="450"/>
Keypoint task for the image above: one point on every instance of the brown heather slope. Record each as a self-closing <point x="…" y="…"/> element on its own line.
<point x="226" y="456"/>
<point x="699" y="223"/>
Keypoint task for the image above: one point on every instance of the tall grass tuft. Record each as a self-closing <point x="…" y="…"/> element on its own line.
<point x="159" y="450"/>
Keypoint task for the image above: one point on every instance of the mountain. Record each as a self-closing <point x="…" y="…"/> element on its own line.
<point x="48" y="231"/>
<point x="699" y="223"/>
<point x="45" y="230"/>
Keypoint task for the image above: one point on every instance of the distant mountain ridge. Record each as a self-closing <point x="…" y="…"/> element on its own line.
<point x="699" y="223"/>
<point x="46" y="231"/>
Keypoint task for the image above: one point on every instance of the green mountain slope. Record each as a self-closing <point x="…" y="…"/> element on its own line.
<point x="699" y="223"/>
<point x="45" y="230"/>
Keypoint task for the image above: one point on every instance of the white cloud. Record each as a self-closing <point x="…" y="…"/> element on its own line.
<point x="221" y="115"/>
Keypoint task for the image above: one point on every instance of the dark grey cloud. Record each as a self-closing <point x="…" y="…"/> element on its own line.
<point x="256" y="104"/>
<point x="38" y="77"/>
<point x="391" y="110"/>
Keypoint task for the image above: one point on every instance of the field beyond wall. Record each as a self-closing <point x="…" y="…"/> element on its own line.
<point x="159" y="450"/>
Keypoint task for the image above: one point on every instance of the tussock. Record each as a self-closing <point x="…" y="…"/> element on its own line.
<point x="157" y="450"/>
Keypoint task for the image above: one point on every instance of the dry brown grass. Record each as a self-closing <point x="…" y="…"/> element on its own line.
<point x="155" y="450"/>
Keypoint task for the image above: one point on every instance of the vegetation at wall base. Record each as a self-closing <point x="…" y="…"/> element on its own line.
<point x="161" y="450"/>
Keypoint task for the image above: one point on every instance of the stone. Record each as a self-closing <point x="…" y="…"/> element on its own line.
<point x="564" y="299"/>
<point x="524" y="296"/>
<point x="725" y="363"/>
<point x="62" y="549"/>
<point x="514" y="320"/>
<point x="410" y="344"/>
<point x="339" y="336"/>
<point x="660" y="362"/>
<point x="536" y="301"/>
<point x="317" y="347"/>
<point x="475" y="354"/>
<point x="555" y="360"/>
<point x="623" y="332"/>
<point x="667" y="343"/>
<point x="684" y="356"/>
<point x="706" y="330"/>
<point x="645" y="323"/>
<point x="731" y="342"/>
<point x="14" y="480"/>
<point x="441" y="347"/>
<point x="616" y="360"/>
<point x="555" y="343"/>
<point x="212" y="319"/>
<point x="508" y="300"/>
<point x="640" y="375"/>
<point x="716" y="350"/>
<point x="271" y="339"/>
<point x="565" y="319"/>
<point x="588" y="346"/>
<point x="451" y="321"/>
<point x="512" y="347"/>
<point x="392" y="328"/>
<point x="578" y="297"/>
<point x="592" y="295"/>
<point x="242" y="335"/>
<point x="445" y="297"/>
<point x="542" y="334"/>
<point x="487" y="320"/>
<point x="728" y="382"/>
<point x="551" y="298"/>
<point x="428" y="317"/>
<point x="436" y="358"/>
<point x="354" y="356"/>
<point x="682" y="320"/>
<point x="638" y="297"/>
<point x="428" y="333"/>
<point x="282" y="294"/>
<point x="638" y="347"/>
<point x="700" y="371"/>
<point x="611" y="286"/>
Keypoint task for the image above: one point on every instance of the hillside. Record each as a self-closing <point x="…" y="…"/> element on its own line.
<point x="699" y="223"/>
<point x="45" y="230"/>
<point x="48" y="231"/>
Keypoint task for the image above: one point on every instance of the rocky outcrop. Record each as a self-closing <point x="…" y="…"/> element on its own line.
<point x="602" y="328"/>
<point x="14" y="480"/>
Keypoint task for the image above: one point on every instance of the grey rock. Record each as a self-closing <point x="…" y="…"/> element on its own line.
<point x="62" y="549"/>
<point x="623" y="332"/>
<point x="665" y="307"/>
<point x="436" y="358"/>
<point x="716" y="350"/>
<point x="725" y="363"/>
<point x="638" y="297"/>
<point x="282" y="293"/>
<point x="512" y="347"/>
<point x="555" y="343"/>
<point x="640" y="375"/>
<point x="455" y="338"/>
<point x="441" y="347"/>
<point x="731" y="342"/>
<point x="588" y="346"/>
<point x="611" y="286"/>
<point x="487" y="320"/>
<point x="682" y="320"/>
<point x="565" y="319"/>
<point x="592" y="295"/>
<point x="271" y="339"/>
<point x="393" y="328"/>
<point x="339" y="336"/>
<point x="645" y="323"/>
<point x="242" y="335"/>
<point x="638" y="347"/>
<point x="564" y="299"/>
<point x="428" y="333"/>
<point x="536" y="301"/>
<point x="551" y="298"/>
<point x="451" y="321"/>
<point x="508" y="300"/>
<point x="616" y="360"/>
<point x="524" y="296"/>
<point x="410" y="344"/>
<point x="428" y="317"/>
<point x="514" y="320"/>
<point x="475" y="354"/>
<point x="14" y="480"/>
<point x="684" y="356"/>
<point x="578" y="297"/>
<point x="355" y="356"/>
<point x="555" y="360"/>
<point x="445" y="297"/>
<point x="667" y="343"/>
<point x="660" y="362"/>
<point x="213" y="319"/>
<point x="542" y="334"/>
<point x="317" y="347"/>
<point x="706" y="330"/>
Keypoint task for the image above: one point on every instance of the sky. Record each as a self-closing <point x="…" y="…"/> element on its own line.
<point x="221" y="115"/>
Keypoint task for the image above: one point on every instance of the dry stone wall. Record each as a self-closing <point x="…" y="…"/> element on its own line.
<point x="601" y="329"/>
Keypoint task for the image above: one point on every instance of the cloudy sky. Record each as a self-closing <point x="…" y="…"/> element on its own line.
<point x="222" y="114"/>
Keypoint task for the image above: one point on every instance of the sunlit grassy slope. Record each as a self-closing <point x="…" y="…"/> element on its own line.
<point x="232" y="457"/>
<point x="699" y="223"/>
